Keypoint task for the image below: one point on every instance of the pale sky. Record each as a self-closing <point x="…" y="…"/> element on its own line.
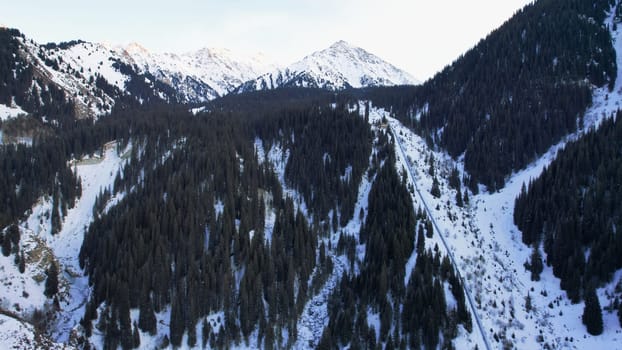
<point x="419" y="36"/>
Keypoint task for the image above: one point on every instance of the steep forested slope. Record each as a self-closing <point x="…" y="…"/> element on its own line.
<point x="413" y="312"/>
<point x="22" y="85"/>
<point x="573" y="210"/>
<point x="517" y="92"/>
<point x="327" y="155"/>
<point x="205" y="227"/>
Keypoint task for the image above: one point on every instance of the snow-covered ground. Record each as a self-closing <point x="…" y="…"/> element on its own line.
<point x="16" y="334"/>
<point x="8" y="112"/>
<point x="67" y="243"/>
<point x="23" y="293"/>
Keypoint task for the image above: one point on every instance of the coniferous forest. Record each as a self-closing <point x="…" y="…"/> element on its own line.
<point x="413" y="311"/>
<point x="517" y="92"/>
<point x="574" y="207"/>
<point x="230" y="221"/>
<point x="190" y="233"/>
<point x="190" y="236"/>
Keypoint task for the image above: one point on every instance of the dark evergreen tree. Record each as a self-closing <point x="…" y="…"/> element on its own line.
<point x="136" y="337"/>
<point x="51" y="282"/>
<point x="454" y="179"/>
<point x="6" y="245"/>
<point x="459" y="201"/>
<point x="22" y="263"/>
<point x="176" y="323"/>
<point x="536" y="264"/>
<point x="146" y="317"/>
<point x="592" y="314"/>
<point x="435" y="190"/>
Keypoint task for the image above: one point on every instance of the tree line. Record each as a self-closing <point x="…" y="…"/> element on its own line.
<point x="572" y="210"/>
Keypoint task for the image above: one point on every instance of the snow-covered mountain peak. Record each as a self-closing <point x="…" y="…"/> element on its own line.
<point x="342" y="46"/>
<point x="341" y="43"/>
<point x="135" y="48"/>
<point x="199" y="75"/>
<point x="210" y="56"/>
<point x="212" y="52"/>
<point x="337" y="67"/>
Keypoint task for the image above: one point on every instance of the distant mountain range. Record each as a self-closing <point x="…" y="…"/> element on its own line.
<point x="220" y="70"/>
<point x="95" y="76"/>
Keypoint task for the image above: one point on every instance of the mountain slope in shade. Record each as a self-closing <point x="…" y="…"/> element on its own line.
<point x="71" y="71"/>
<point x="71" y="79"/>
<point x="218" y="70"/>
<point x="84" y="79"/>
<point x="338" y="67"/>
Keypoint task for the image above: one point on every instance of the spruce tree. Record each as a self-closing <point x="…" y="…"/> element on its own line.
<point x="205" y="333"/>
<point x="592" y="314"/>
<point x="459" y="201"/>
<point x="56" y="218"/>
<point x="136" y="337"/>
<point x="51" y="282"/>
<point x="146" y="318"/>
<point x="536" y="264"/>
<point x="176" y="324"/>
<point x="435" y="191"/>
<point x="420" y="240"/>
<point x="6" y="246"/>
<point x="22" y="263"/>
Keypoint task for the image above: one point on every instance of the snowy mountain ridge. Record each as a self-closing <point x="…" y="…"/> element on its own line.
<point x="93" y="76"/>
<point x="337" y="67"/>
<point x="219" y="69"/>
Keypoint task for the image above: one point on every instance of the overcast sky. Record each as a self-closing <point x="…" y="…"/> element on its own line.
<point x="420" y="36"/>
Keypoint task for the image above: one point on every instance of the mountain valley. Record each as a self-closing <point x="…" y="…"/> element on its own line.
<point x="215" y="200"/>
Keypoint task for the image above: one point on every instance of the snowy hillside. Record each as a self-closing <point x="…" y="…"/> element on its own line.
<point x="514" y="310"/>
<point x="490" y="255"/>
<point x="220" y="70"/>
<point x="93" y="76"/>
<point x="338" y="67"/>
<point x="17" y="334"/>
<point x="74" y="78"/>
<point x="473" y="231"/>
<point x="23" y="294"/>
<point x="75" y="70"/>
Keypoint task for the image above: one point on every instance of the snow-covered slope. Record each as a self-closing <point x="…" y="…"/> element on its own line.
<point x="490" y="253"/>
<point x="23" y="292"/>
<point x="75" y="78"/>
<point x="94" y="76"/>
<point x="338" y="67"/>
<point x="17" y="334"/>
<point x="74" y="70"/>
<point x="220" y="70"/>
